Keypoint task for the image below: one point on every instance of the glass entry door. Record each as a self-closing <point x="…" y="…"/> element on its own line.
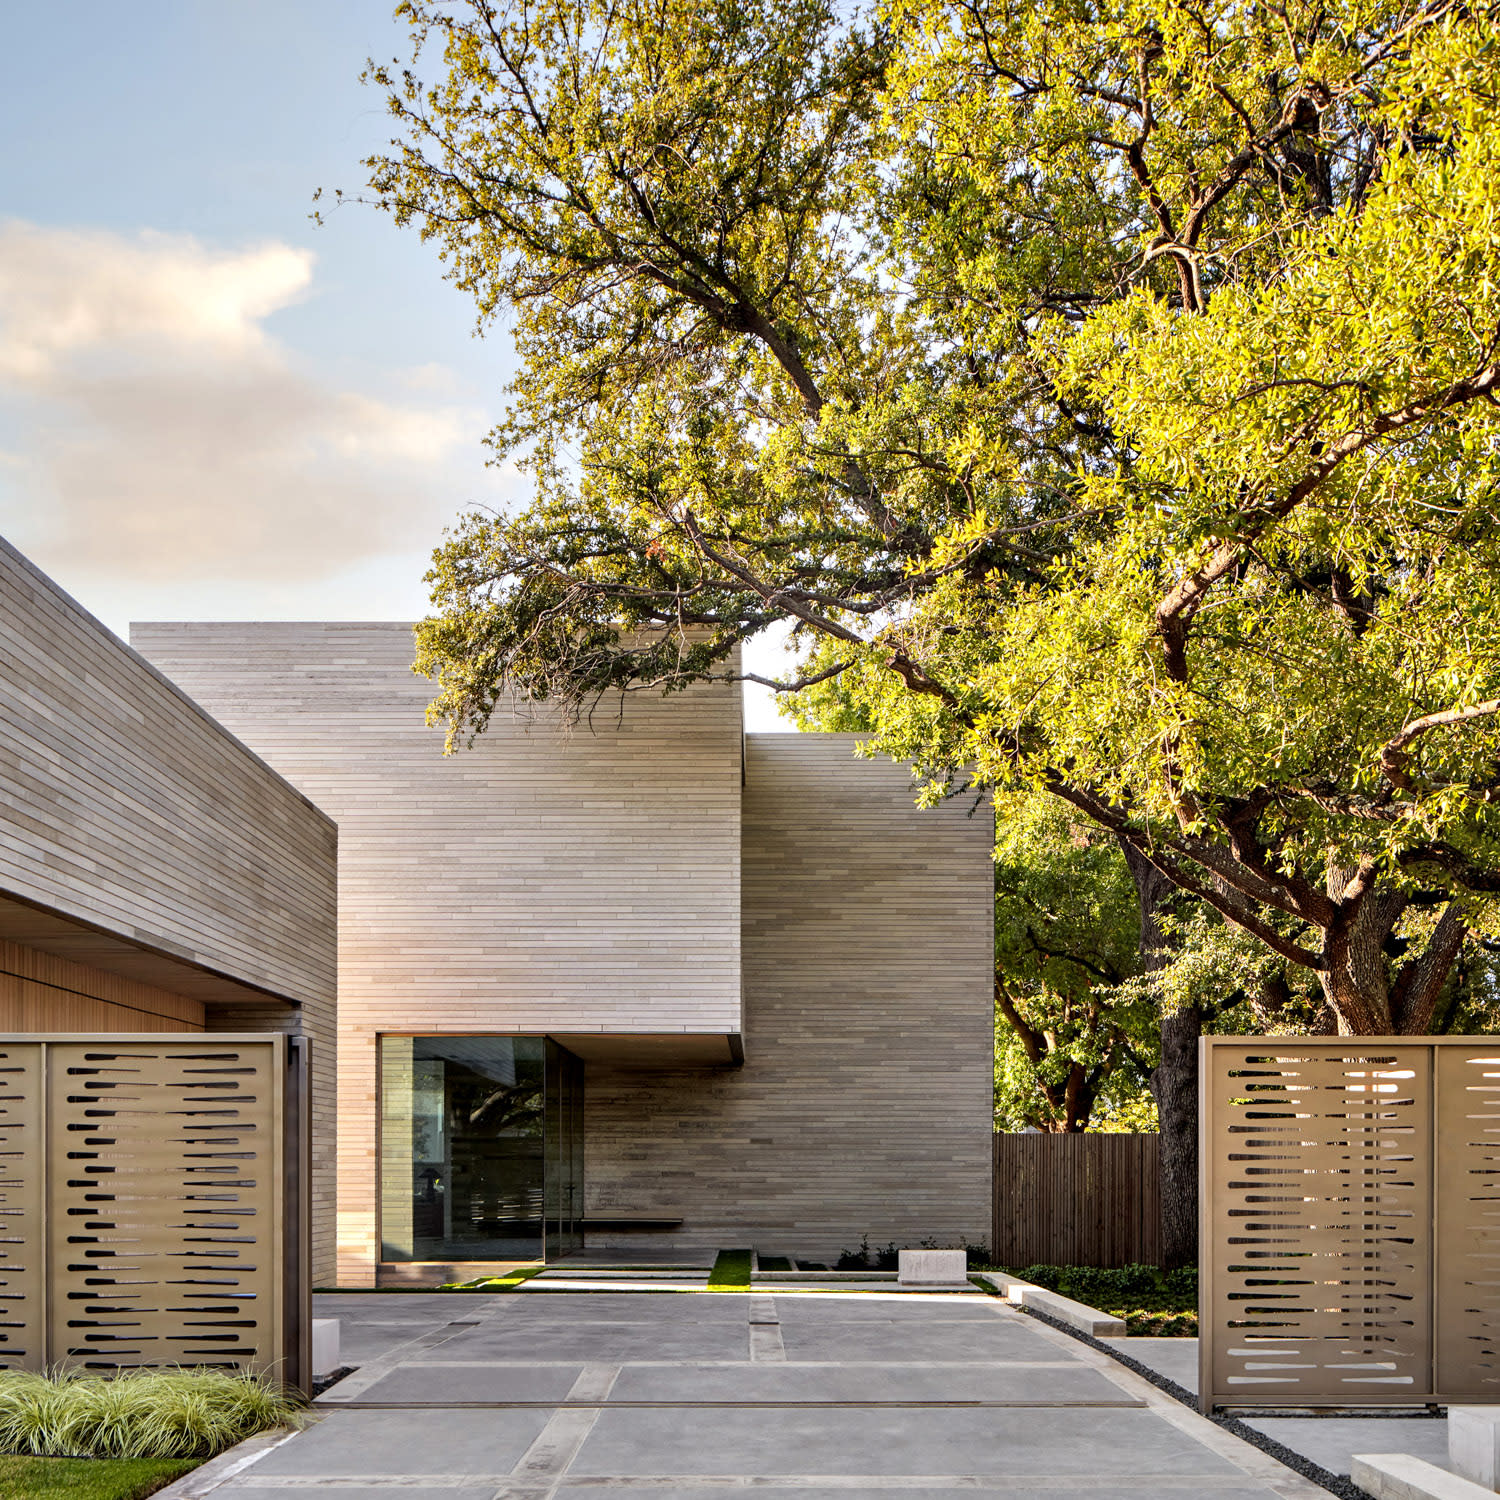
<point x="481" y="1148"/>
<point x="564" y="1161"/>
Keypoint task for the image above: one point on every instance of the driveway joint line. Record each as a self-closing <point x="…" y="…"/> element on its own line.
<point x="606" y="1403"/>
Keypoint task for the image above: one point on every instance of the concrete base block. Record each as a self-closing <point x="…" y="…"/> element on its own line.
<point x="1474" y="1443"/>
<point x="1090" y="1320"/>
<point x="325" y="1347"/>
<point x="1399" y="1476"/>
<point x="933" y="1268"/>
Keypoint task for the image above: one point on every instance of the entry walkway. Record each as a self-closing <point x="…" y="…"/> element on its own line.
<point x="554" y="1394"/>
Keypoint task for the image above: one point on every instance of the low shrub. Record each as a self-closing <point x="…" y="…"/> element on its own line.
<point x="139" y="1413"/>
<point x="867" y="1259"/>
<point x="1150" y="1300"/>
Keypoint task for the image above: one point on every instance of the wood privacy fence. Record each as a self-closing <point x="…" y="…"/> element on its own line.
<point x="1076" y="1200"/>
<point x="153" y="1202"/>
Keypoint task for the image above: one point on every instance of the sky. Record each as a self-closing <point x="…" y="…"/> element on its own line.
<point x="210" y="407"/>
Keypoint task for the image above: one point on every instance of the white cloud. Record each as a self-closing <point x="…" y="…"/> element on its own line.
<point x="66" y="293"/>
<point x="159" y="429"/>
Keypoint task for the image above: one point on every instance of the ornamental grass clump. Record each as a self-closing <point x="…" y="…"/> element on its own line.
<point x="138" y="1414"/>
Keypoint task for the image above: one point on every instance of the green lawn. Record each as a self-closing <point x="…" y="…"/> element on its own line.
<point x="87" y="1478"/>
<point x="490" y="1283"/>
<point x="731" y="1272"/>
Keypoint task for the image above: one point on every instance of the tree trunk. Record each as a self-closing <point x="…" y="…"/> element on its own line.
<point x="1176" y="1085"/>
<point x="1175" y="1081"/>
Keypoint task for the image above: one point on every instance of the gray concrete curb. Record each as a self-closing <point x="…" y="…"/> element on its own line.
<point x="229" y="1464"/>
<point x="1399" y="1476"/>
<point x="1090" y="1320"/>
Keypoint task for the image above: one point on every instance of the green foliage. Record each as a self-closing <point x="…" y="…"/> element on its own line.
<point x="139" y="1413"/>
<point x="731" y="1272"/>
<point x="866" y="1257"/>
<point x="87" y="1478"/>
<point x="1072" y="1049"/>
<point x="1104" y="394"/>
<point x="1151" y="1301"/>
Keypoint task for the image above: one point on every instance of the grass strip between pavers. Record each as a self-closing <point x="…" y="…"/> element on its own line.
<point x="506" y="1283"/>
<point x="731" y="1272"/>
<point x="25" y="1478"/>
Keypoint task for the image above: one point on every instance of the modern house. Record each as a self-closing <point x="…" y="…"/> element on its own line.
<point x="157" y="879"/>
<point x="650" y="985"/>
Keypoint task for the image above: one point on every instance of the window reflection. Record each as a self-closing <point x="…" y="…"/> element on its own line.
<point x="481" y="1148"/>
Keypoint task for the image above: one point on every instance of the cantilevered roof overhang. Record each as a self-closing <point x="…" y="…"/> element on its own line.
<point x="143" y="957"/>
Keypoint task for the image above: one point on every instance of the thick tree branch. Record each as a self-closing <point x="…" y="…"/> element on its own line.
<point x="1177" y="607"/>
<point x="1393" y="754"/>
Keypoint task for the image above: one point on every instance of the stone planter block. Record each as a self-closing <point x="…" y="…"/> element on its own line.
<point x="1399" y="1476"/>
<point x="933" y="1268"/>
<point x="1474" y="1443"/>
<point x="325" y="1347"/>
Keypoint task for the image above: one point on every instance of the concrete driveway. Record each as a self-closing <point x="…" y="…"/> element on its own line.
<point x="558" y="1394"/>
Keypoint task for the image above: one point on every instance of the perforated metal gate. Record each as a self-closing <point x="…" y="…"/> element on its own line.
<point x="151" y="1202"/>
<point x="1350" y="1251"/>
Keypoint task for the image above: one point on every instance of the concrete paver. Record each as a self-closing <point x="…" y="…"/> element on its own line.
<point x="1210" y="1489"/>
<point x="359" y="1443"/>
<point x="1330" y="1442"/>
<point x="693" y="1396"/>
<point x="907" y="1441"/>
<point x="442" y="1384"/>
<point x="364" y="1491"/>
<point x="908" y="1384"/>
<point x="1177" y="1359"/>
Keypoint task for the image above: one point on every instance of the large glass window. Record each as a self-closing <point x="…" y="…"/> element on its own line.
<point x="481" y="1148"/>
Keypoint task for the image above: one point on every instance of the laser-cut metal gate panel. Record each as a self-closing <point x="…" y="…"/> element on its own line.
<point x="22" y="1240"/>
<point x="160" y="1163"/>
<point x="1350" y="1221"/>
<point x="1468" y="1221"/>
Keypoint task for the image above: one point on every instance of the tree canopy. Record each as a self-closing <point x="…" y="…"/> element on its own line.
<point x="1104" y="392"/>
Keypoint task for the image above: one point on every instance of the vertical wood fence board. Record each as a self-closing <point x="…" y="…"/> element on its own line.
<point x="1078" y="1199"/>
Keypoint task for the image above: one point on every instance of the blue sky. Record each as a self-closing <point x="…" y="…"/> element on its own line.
<point x="209" y="406"/>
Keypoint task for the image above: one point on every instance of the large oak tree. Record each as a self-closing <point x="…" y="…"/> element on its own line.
<point x="1103" y="390"/>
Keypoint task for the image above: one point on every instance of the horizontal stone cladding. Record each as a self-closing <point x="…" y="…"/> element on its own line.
<point x="540" y="881"/>
<point x="865" y="1103"/>
<point x="127" y="807"/>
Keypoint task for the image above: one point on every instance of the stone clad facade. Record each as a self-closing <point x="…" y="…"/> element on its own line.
<point x="775" y="970"/>
<point x="155" y="874"/>
<point x="865" y="1101"/>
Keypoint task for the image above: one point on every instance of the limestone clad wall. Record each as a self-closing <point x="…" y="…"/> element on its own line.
<point x="125" y="806"/>
<point x="864" y="1105"/>
<point x="134" y="826"/>
<point x="541" y="882"/>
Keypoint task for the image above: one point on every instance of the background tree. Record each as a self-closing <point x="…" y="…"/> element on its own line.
<point x="1073" y="1051"/>
<point x="1109" y="391"/>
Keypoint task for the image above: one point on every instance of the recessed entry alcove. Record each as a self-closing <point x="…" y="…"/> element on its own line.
<point x="481" y="1148"/>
